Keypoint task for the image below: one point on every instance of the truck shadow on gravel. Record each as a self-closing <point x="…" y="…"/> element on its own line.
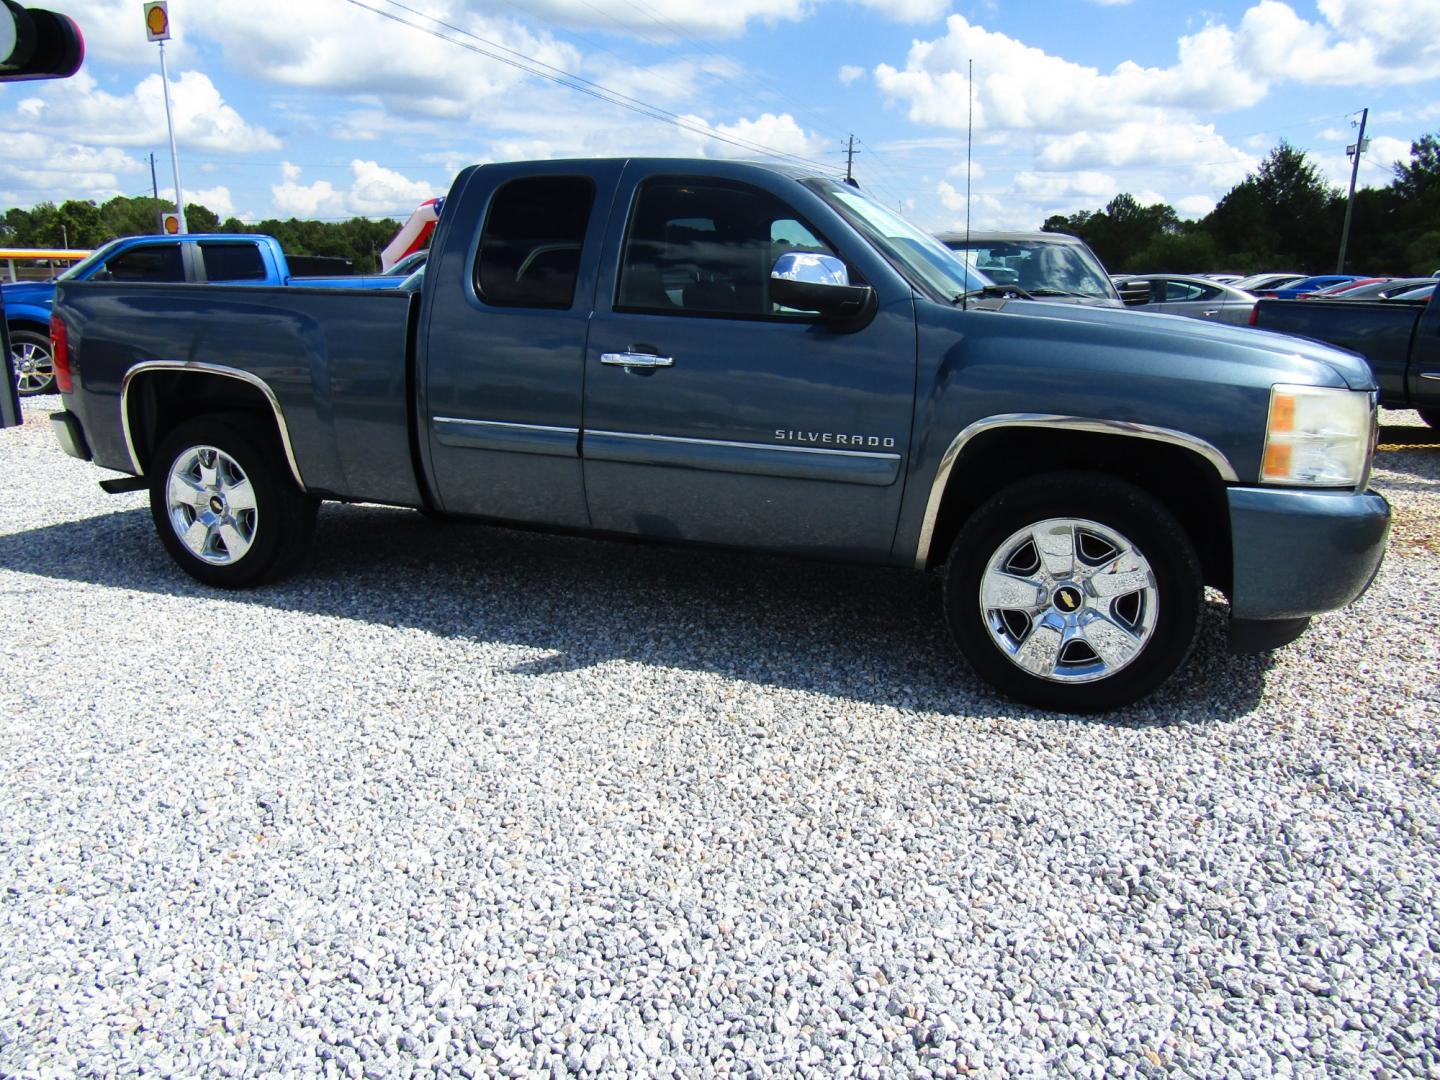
<point x="862" y="633"/>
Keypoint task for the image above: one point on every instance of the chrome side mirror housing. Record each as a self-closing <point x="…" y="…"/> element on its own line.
<point x="812" y="281"/>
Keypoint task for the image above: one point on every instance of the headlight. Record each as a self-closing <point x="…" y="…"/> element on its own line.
<point x="1317" y="436"/>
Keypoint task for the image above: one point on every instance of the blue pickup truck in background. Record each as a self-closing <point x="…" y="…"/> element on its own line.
<point x="757" y="357"/>
<point x="213" y="258"/>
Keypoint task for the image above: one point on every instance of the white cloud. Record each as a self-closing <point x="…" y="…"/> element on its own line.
<point x="848" y="73"/>
<point x="90" y="115"/>
<point x="217" y="199"/>
<point x="374" y="191"/>
<point x="1097" y="186"/>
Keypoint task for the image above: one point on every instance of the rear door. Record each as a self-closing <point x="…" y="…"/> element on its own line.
<point x="508" y="304"/>
<point x="714" y="415"/>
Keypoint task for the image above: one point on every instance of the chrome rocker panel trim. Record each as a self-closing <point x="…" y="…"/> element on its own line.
<point x="1067" y="423"/>
<point x="204" y="369"/>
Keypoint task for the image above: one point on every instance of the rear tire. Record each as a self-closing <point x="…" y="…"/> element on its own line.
<point x="225" y="504"/>
<point x="33" y="361"/>
<point x="1074" y="591"/>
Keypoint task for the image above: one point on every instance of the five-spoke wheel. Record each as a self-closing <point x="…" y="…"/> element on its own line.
<point x="1074" y="591"/>
<point x="225" y="504"/>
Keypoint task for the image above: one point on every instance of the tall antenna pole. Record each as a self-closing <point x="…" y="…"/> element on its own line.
<point x="850" y="153"/>
<point x="1358" y="148"/>
<point x="969" y="139"/>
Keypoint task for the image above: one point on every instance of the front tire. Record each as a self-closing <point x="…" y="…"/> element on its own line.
<point x="1074" y="592"/>
<point x="225" y="505"/>
<point x="33" y="361"/>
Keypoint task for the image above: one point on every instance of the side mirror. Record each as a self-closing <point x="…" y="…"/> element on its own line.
<point x="808" y="281"/>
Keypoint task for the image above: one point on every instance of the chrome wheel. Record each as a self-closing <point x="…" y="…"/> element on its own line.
<point x="1069" y="600"/>
<point x="34" y="366"/>
<point x="211" y="505"/>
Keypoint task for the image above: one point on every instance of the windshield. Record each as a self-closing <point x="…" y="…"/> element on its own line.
<point x="925" y="262"/>
<point x="1040" y="267"/>
<point x="95" y="258"/>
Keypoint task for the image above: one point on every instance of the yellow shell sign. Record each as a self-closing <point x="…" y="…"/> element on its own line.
<point x="157" y="21"/>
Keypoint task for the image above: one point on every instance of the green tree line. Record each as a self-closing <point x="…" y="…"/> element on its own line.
<point x="79" y="223"/>
<point x="1283" y="216"/>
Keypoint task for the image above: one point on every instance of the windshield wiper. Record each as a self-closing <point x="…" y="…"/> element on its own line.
<point x="1062" y="292"/>
<point x="995" y="292"/>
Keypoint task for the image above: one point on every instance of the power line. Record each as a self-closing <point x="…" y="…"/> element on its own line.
<point x="540" y="69"/>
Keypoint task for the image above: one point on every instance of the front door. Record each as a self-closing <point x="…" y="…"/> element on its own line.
<point x="713" y="414"/>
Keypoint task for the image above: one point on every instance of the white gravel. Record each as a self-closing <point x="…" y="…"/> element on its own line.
<point x="470" y="801"/>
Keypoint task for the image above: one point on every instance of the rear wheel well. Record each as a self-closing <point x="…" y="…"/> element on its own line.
<point x="158" y="402"/>
<point x="1182" y="480"/>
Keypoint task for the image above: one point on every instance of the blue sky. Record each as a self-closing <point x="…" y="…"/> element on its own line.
<point x="326" y="108"/>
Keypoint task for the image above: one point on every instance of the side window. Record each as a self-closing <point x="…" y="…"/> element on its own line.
<point x="1184" y="290"/>
<point x="530" y="249"/>
<point x="152" y="262"/>
<point x="232" y="262"/>
<point x="705" y="248"/>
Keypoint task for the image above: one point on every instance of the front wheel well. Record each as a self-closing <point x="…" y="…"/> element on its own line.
<point x="27" y="324"/>
<point x="1181" y="479"/>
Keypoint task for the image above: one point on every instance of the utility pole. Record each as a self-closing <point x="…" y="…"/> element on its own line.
<point x="154" y="184"/>
<point x="850" y="153"/>
<point x="1355" y="152"/>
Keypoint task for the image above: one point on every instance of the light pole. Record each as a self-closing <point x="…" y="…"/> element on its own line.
<point x="157" y="29"/>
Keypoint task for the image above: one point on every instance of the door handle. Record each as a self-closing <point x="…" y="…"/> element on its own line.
<point x="1212" y="311"/>
<point x="636" y="360"/>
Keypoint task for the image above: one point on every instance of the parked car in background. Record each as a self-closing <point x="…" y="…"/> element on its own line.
<point x="1305" y="285"/>
<point x="1197" y="297"/>
<point x="1224" y="279"/>
<point x="1421" y="292"/>
<point x="408" y="265"/>
<point x="1270" y="280"/>
<point x="213" y="258"/>
<point x="1375" y="290"/>
<point x="1049" y="266"/>
<point x="1331" y="291"/>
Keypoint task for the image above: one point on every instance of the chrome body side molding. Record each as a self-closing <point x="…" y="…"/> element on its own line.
<point x="460" y="431"/>
<point x="204" y="369"/>
<point x="952" y="453"/>
<point x="755" y="459"/>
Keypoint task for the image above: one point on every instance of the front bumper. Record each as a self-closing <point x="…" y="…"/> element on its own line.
<point x="1298" y="553"/>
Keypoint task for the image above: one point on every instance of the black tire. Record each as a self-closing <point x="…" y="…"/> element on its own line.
<point x="276" y="531"/>
<point x="32" y="350"/>
<point x="1431" y="417"/>
<point x="1162" y="615"/>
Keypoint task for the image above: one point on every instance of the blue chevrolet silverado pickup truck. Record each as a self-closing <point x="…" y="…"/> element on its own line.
<point x="1399" y="339"/>
<point x="217" y="258"/>
<point x="746" y="355"/>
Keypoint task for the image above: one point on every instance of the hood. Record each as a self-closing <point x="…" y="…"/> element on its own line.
<point x="1288" y="359"/>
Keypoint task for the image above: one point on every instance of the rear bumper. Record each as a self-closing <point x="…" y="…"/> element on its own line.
<point x="70" y="435"/>
<point x="1298" y="553"/>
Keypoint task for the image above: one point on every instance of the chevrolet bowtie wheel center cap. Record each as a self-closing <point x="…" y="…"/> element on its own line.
<point x="1067" y="599"/>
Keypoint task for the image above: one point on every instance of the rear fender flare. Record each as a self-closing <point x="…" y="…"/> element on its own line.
<point x="212" y="371"/>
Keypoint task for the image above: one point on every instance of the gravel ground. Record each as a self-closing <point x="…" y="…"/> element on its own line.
<point x="470" y="801"/>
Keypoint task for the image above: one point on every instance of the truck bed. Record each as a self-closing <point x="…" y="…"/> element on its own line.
<point x="1380" y="331"/>
<point x="336" y="361"/>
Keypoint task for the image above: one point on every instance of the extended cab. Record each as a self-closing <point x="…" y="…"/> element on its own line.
<point x="751" y="356"/>
<point x="217" y="258"/>
<point x="1399" y="339"/>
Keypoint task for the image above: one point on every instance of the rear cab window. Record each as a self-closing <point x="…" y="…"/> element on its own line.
<point x="530" y="247"/>
<point x="232" y="262"/>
